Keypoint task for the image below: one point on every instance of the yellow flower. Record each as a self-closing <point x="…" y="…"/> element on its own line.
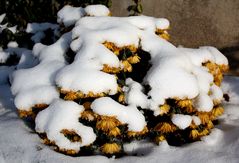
<point x="88" y="115"/>
<point x="215" y="70"/>
<point x="108" y="69"/>
<point x="132" y="134"/>
<point x="24" y="113"/>
<point x="165" y="127"/>
<point x="159" y="139"/>
<point x="106" y="123"/>
<point x="87" y="105"/>
<point x="127" y="66"/>
<point x="133" y="59"/>
<point x="110" y="148"/>
<point x="114" y="132"/>
<point x="217" y="111"/>
<point x="210" y="125"/>
<point x="164" y="109"/>
<point x="204" y="117"/>
<point x="71" y="135"/>
<point x="121" y="98"/>
<point x="204" y="132"/>
<point x="194" y="134"/>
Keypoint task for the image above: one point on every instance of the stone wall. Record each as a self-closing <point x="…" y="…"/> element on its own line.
<point x="193" y="22"/>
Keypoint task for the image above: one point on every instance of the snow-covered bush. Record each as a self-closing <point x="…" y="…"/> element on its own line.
<point x="110" y="80"/>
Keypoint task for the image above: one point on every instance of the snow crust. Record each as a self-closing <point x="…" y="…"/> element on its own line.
<point x="49" y="121"/>
<point x="129" y="115"/>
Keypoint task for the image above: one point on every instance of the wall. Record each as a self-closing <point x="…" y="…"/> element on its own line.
<point x="193" y="22"/>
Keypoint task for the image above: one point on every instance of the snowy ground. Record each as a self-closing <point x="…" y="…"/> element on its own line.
<point x="19" y="143"/>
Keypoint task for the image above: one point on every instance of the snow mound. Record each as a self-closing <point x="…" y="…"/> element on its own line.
<point x="49" y="121"/>
<point x="126" y="80"/>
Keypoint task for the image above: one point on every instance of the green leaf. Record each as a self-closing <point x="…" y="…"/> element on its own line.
<point x="139" y="8"/>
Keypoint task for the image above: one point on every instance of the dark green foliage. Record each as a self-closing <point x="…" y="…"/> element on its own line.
<point x="21" y="12"/>
<point x="136" y="8"/>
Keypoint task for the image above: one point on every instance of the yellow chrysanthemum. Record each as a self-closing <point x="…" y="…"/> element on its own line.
<point x="215" y="70"/>
<point x="163" y="33"/>
<point x="110" y="148"/>
<point x="127" y="66"/>
<point x="71" y="135"/>
<point x="164" y="109"/>
<point x="88" y="115"/>
<point x="114" y="132"/>
<point x="24" y="113"/>
<point x="133" y="59"/>
<point x="194" y="134"/>
<point x="132" y="134"/>
<point x="121" y="98"/>
<point x="218" y="111"/>
<point x="165" y="127"/>
<point x="204" y="132"/>
<point x="159" y="139"/>
<point x="210" y="125"/>
<point x="106" y="123"/>
<point x="108" y="69"/>
<point x="204" y="117"/>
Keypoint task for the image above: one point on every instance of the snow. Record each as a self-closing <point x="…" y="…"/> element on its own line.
<point x="231" y="90"/>
<point x="4" y="26"/>
<point x="97" y="10"/>
<point x="129" y="115"/>
<point x="196" y="120"/>
<point x="68" y="15"/>
<point x="3" y="56"/>
<point x="214" y="138"/>
<point x="40" y="77"/>
<point x="203" y="103"/>
<point x="134" y="94"/>
<point x="37" y="29"/>
<point x="18" y="144"/>
<point x="12" y="44"/>
<point x="48" y="121"/>
<point x="216" y="93"/>
<point x="181" y="121"/>
<point x="2" y="16"/>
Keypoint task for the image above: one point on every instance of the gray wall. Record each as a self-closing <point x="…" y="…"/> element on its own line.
<point x="193" y="22"/>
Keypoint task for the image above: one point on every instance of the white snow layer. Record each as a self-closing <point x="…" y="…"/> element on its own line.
<point x="69" y="15"/>
<point x="182" y="121"/>
<point x="129" y="115"/>
<point x="27" y="82"/>
<point x="97" y="10"/>
<point x="134" y="94"/>
<point x="50" y="120"/>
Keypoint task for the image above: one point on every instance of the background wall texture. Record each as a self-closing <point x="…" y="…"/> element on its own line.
<point x="196" y="23"/>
